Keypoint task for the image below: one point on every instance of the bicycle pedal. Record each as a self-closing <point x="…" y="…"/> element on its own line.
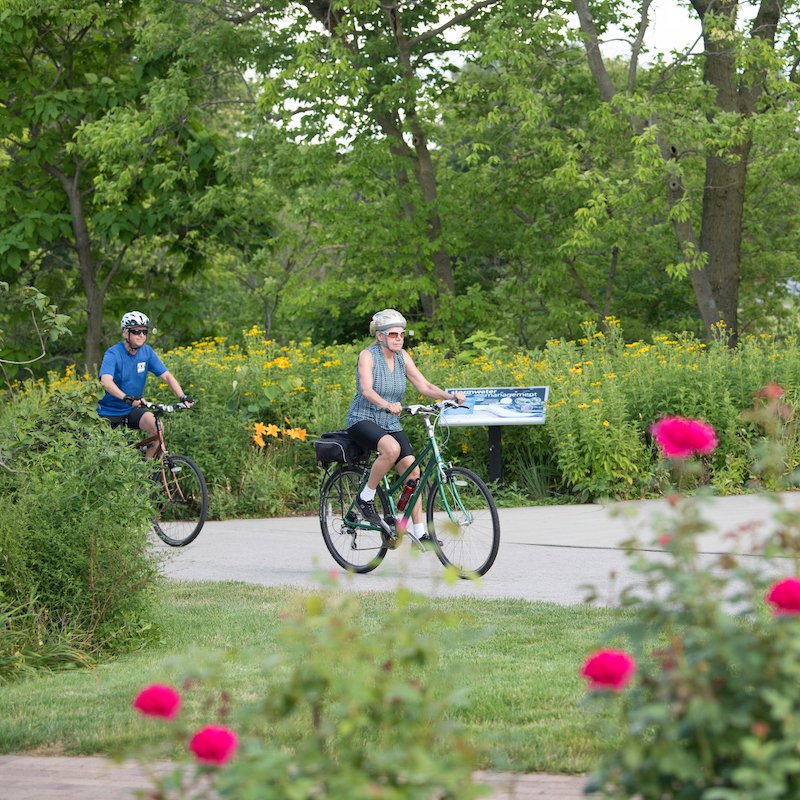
<point x="389" y="519"/>
<point x="393" y="540"/>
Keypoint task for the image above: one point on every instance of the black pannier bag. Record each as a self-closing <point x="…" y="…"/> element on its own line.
<point x="337" y="447"/>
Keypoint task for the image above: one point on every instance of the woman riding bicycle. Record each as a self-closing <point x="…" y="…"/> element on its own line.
<point x="373" y="418"/>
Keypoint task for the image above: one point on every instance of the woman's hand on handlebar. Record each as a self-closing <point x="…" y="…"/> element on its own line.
<point x="394" y="408"/>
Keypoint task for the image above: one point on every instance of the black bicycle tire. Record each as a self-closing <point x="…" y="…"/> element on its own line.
<point x="446" y="557"/>
<point x="329" y="536"/>
<point x="172" y="460"/>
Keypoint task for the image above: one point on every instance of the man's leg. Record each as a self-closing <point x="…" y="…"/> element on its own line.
<point x="140" y="419"/>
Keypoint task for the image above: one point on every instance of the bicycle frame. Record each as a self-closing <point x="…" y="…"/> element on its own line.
<point x="158" y="436"/>
<point x="431" y="469"/>
<point x="161" y="451"/>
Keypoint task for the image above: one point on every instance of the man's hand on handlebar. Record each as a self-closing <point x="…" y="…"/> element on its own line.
<point x="161" y="408"/>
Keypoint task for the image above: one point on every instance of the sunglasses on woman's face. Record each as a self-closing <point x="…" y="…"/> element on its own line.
<point x="136" y="332"/>
<point x="395" y="334"/>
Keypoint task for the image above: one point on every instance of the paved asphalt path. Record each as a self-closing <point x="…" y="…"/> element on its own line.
<point x="548" y="553"/>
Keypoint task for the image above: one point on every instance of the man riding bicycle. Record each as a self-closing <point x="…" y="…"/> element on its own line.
<point x="123" y="373"/>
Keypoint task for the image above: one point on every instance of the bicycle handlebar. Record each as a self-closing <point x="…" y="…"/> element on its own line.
<point x="433" y="408"/>
<point x="160" y="408"/>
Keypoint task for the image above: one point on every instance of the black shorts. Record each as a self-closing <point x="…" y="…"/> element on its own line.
<point x="131" y="419"/>
<point x="368" y="433"/>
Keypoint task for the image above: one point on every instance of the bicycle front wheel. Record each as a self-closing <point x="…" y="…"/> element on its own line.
<point x="355" y="548"/>
<point x="181" y="501"/>
<point x="463" y="522"/>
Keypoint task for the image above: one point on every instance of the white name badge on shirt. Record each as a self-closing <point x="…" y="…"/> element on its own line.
<point x="141" y="366"/>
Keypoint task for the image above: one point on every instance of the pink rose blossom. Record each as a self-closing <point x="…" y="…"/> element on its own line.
<point x="608" y="669"/>
<point x="785" y="596"/>
<point x="214" y="745"/>
<point x="158" y="701"/>
<point x="680" y="437"/>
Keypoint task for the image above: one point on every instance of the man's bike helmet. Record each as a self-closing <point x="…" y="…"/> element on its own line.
<point x="134" y="319"/>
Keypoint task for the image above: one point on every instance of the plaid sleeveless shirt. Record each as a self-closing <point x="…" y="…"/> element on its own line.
<point x="391" y="386"/>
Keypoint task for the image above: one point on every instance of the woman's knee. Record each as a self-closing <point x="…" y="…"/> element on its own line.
<point x="404" y="463"/>
<point x="389" y="447"/>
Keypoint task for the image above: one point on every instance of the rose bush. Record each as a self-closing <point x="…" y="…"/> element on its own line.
<point x="357" y="722"/>
<point x="713" y="711"/>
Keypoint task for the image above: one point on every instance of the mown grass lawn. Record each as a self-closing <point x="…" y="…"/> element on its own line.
<point x="525" y="709"/>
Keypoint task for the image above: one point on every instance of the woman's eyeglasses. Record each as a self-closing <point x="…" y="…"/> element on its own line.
<point x="137" y="332"/>
<point x="395" y="334"/>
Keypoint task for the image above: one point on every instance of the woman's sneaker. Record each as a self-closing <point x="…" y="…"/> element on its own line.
<point x="368" y="511"/>
<point x="426" y="540"/>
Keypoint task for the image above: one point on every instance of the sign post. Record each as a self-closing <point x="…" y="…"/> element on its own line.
<point x="495" y="407"/>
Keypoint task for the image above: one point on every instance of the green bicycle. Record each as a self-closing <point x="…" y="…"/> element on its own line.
<point x="461" y="514"/>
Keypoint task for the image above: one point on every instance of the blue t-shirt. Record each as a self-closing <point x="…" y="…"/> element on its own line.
<point x="129" y="373"/>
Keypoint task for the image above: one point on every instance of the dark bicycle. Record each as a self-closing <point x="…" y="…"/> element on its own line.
<point x="180" y="494"/>
<point x="461" y="514"/>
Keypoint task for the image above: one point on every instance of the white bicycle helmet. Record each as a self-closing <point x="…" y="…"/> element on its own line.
<point x="388" y="318"/>
<point x="134" y="319"/>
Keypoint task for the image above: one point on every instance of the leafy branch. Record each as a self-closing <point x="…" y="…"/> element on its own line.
<point x="51" y="327"/>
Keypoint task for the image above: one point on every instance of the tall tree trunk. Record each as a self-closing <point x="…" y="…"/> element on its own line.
<point x="723" y="193"/>
<point x="94" y="291"/>
<point x="715" y="285"/>
<point x="721" y="234"/>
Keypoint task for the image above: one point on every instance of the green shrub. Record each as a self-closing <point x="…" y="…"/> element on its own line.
<point x="74" y="526"/>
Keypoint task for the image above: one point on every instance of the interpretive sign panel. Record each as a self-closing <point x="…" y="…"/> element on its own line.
<point x="510" y="405"/>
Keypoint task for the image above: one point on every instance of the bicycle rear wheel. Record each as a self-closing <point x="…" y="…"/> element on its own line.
<point x="181" y="500"/>
<point x="463" y="521"/>
<point x="356" y="549"/>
